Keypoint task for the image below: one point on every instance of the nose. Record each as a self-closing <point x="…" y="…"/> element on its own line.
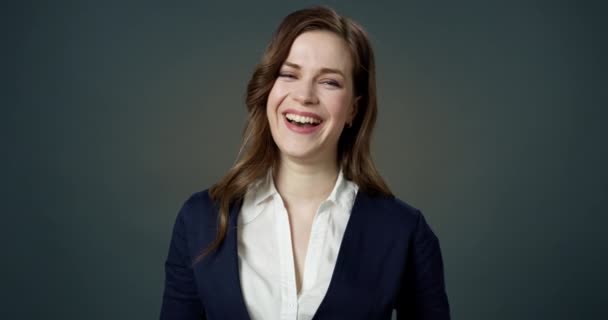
<point x="305" y="93"/>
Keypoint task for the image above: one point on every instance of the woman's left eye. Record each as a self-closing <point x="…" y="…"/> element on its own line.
<point x="332" y="83"/>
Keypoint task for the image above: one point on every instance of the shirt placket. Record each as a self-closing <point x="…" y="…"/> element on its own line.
<point x="289" y="305"/>
<point x="314" y="249"/>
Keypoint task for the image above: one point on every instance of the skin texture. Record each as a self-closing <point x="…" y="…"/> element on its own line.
<point x="316" y="77"/>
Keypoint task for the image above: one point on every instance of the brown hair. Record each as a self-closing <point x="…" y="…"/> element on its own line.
<point x="259" y="153"/>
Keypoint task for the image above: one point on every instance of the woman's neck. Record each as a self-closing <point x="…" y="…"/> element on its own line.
<point x="305" y="182"/>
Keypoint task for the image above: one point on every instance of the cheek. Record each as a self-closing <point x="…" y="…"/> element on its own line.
<point x="275" y="96"/>
<point x="340" y="107"/>
<point x="271" y="103"/>
<point x="274" y="101"/>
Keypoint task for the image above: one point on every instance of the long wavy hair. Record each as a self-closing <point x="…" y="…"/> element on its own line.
<point x="259" y="153"/>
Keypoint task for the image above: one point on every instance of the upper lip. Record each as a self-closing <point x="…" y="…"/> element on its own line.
<point x="303" y="114"/>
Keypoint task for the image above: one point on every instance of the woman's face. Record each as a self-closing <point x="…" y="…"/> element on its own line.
<point x="312" y="98"/>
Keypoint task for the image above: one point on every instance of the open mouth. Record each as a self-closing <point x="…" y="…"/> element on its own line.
<point x="302" y="121"/>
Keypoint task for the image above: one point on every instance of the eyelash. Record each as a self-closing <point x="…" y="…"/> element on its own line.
<point x="286" y="75"/>
<point x="332" y="83"/>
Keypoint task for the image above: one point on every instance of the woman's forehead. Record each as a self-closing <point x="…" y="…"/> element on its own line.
<point x="318" y="50"/>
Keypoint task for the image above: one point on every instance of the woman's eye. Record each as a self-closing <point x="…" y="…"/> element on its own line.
<point x="332" y="83"/>
<point x="286" y="75"/>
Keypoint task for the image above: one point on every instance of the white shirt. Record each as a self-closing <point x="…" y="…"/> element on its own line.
<point x="266" y="262"/>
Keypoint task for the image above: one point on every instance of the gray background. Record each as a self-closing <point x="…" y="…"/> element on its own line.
<point x="492" y="121"/>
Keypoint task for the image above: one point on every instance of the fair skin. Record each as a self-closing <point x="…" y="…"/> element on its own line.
<point x="315" y="79"/>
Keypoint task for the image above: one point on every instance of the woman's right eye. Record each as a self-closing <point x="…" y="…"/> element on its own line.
<point x="286" y="75"/>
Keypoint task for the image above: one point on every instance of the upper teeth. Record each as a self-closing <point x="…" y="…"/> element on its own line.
<point x="301" y="119"/>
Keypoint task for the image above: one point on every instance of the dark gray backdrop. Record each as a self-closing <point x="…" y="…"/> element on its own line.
<point x="492" y="121"/>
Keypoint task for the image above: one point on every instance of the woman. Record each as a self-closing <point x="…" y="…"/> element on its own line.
<point x="303" y="226"/>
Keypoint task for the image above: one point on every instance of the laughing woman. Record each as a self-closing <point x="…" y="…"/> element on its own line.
<point x="303" y="226"/>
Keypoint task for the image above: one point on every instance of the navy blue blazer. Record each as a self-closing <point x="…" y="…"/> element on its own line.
<point x="389" y="259"/>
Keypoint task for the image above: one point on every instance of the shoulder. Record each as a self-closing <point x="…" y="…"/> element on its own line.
<point x="199" y="199"/>
<point x="196" y="221"/>
<point x="390" y="207"/>
<point x="391" y="213"/>
<point x="198" y="210"/>
<point x="392" y="204"/>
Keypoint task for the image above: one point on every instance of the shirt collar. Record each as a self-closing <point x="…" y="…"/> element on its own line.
<point x="264" y="188"/>
<point x="343" y="193"/>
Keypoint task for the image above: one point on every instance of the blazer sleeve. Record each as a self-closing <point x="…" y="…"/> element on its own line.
<point x="423" y="295"/>
<point x="180" y="297"/>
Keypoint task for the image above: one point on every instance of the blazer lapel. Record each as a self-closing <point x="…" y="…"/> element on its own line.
<point x="223" y="270"/>
<point x="342" y="287"/>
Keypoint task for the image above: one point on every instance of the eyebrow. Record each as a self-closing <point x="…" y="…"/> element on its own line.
<point x="322" y="70"/>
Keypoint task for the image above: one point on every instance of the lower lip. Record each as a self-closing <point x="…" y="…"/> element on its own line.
<point x="302" y="130"/>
